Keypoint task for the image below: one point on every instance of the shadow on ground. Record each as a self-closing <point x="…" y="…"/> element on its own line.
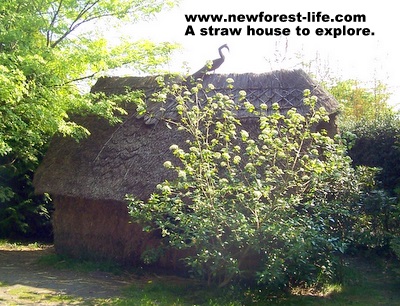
<point x="20" y="268"/>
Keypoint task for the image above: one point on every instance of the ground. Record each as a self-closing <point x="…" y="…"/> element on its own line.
<point x="24" y="281"/>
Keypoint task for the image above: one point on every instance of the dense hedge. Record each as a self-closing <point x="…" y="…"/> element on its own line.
<point x="376" y="144"/>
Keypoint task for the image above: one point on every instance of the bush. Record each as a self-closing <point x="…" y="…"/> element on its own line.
<point x="23" y="215"/>
<point x="270" y="205"/>
<point x="374" y="143"/>
<point x="377" y="221"/>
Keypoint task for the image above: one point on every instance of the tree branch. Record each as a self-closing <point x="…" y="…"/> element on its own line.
<point x="77" y="79"/>
<point x="75" y="24"/>
<point x="53" y="21"/>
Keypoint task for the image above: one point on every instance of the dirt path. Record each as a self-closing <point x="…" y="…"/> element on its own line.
<point x="24" y="282"/>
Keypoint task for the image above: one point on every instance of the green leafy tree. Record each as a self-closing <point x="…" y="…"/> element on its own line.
<point x="360" y="103"/>
<point x="48" y="49"/>
<point x="271" y="205"/>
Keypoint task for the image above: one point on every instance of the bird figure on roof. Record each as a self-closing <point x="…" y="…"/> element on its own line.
<point x="212" y="65"/>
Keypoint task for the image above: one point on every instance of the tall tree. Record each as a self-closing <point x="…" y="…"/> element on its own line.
<point x="361" y="103"/>
<point x="47" y="49"/>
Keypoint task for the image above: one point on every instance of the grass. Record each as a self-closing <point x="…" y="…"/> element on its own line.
<point x="173" y="292"/>
<point x="149" y="290"/>
<point x="20" y="246"/>
<point x="359" y="289"/>
<point x="367" y="281"/>
<point x="24" y="294"/>
<point x="65" y="262"/>
<point x="163" y="294"/>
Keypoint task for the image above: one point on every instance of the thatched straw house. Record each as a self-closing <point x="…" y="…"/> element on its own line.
<point x="88" y="180"/>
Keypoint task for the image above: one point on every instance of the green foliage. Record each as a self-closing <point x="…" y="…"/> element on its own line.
<point x="378" y="220"/>
<point x="371" y="129"/>
<point x="49" y="50"/>
<point x="270" y="204"/>
<point x="359" y="103"/>
<point x="395" y="246"/>
<point x="374" y="144"/>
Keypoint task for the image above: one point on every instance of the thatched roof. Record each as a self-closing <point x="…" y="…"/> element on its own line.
<point x="127" y="158"/>
<point x="284" y="87"/>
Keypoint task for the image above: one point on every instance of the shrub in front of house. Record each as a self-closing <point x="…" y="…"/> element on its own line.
<point x="267" y="202"/>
